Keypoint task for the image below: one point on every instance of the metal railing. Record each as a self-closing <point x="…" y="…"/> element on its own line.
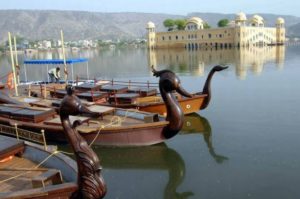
<point x="24" y="134"/>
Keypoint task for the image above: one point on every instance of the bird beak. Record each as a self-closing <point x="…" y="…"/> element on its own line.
<point x="183" y="92"/>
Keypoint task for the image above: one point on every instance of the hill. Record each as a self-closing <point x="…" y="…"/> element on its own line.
<point x="37" y="24"/>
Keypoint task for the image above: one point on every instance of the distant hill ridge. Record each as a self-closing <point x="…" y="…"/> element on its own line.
<point x="46" y="24"/>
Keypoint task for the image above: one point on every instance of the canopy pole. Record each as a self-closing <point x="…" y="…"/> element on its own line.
<point x="17" y="62"/>
<point x="47" y="74"/>
<point x="72" y="73"/>
<point x="87" y="70"/>
<point x="13" y="64"/>
<point x="25" y="73"/>
<point x="64" y="55"/>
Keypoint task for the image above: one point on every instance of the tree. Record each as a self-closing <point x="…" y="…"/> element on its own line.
<point x="169" y="23"/>
<point x="206" y="26"/>
<point x="223" y="22"/>
<point x="180" y="23"/>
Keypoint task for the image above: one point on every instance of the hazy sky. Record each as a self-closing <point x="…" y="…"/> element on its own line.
<point x="183" y="7"/>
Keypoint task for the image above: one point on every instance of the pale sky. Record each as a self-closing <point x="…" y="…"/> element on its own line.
<point x="182" y="7"/>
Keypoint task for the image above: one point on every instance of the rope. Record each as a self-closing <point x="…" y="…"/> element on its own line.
<point x="35" y="167"/>
<point x="118" y="121"/>
<point x="114" y="120"/>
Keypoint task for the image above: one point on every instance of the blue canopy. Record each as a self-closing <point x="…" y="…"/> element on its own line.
<point x="55" y="61"/>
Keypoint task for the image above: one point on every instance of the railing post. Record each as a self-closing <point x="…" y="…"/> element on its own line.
<point x="44" y="139"/>
<point x="17" y="134"/>
<point x="45" y="91"/>
<point x="29" y="90"/>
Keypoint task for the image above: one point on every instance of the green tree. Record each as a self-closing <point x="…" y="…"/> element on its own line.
<point x="180" y="23"/>
<point x="169" y="23"/>
<point x="223" y="22"/>
<point x="206" y="26"/>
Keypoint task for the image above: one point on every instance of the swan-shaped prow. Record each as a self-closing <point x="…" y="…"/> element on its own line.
<point x="168" y="83"/>
<point x="206" y="88"/>
<point x="90" y="182"/>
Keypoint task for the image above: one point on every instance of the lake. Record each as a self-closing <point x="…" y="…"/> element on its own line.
<point x="244" y="145"/>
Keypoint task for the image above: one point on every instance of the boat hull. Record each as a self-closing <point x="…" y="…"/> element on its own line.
<point x="140" y="135"/>
<point x="36" y="154"/>
<point x="188" y="105"/>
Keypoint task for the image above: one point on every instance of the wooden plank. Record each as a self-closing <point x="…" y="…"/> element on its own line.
<point x="52" y="175"/>
<point x="114" y="88"/>
<point x="57" y="120"/>
<point x="88" y="87"/>
<point x="9" y="147"/>
<point x="101" y="109"/>
<point x="143" y="91"/>
<point x="20" y="183"/>
<point x="55" y="191"/>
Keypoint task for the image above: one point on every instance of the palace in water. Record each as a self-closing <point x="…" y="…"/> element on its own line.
<point x="239" y="33"/>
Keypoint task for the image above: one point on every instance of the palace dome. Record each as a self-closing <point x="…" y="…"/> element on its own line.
<point x="195" y="20"/>
<point x="257" y="19"/>
<point x="240" y="16"/>
<point x="280" y="20"/>
<point x="150" y="24"/>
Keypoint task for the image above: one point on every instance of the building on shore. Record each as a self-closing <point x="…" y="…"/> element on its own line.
<point x="239" y="33"/>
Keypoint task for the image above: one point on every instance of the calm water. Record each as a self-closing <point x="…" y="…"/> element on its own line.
<point x="244" y="145"/>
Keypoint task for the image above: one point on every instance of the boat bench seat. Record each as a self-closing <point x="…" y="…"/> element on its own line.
<point x="92" y="95"/>
<point x="123" y="98"/>
<point x="10" y="147"/>
<point x="114" y="88"/>
<point x="143" y="91"/>
<point x="88" y="87"/>
<point x="52" y="175"/>
<point x="33" y="114"/>
<point x="6" y="111"/>
<point x="58" y="93"/>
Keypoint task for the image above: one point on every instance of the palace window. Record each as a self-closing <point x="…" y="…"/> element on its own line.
<point x="176" y="37"/>
<point x="209" y="35"/>
<point x="170" y="38"/>
<point x="163" y="38"/>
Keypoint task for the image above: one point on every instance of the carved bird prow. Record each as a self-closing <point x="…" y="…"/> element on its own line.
<point x="170" y="82"/>
<point x="90" y="182"/>
<point x="207" y="86"/>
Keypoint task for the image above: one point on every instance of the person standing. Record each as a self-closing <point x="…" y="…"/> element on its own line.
<point x="54" y="74"/>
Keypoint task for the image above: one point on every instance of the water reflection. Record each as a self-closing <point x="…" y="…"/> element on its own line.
<point x="134" y="63"/>
<point x="157" y="157"/>
<point x="244" y="59"/>
<point x="197" y="124"/>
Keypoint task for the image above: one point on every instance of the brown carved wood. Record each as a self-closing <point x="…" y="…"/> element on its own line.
<point x="90" y="182"/>
<point x="168" y="83"/>
<point x="206" y="88"/>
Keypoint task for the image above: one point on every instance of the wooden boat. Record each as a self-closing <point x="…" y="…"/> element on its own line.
<point x="29" y="171"/>
<point x="117" y="127"/>
<point x="143" y="98"/>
